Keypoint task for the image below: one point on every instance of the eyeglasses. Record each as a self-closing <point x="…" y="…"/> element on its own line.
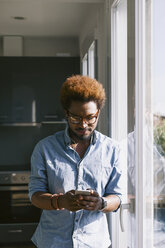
<point x="90" y="119"/>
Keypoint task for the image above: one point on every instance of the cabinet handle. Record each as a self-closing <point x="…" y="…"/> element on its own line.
<point x="15" y="231"/>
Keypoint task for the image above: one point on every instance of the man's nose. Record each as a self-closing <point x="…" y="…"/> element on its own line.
<point x="83" y="123"/>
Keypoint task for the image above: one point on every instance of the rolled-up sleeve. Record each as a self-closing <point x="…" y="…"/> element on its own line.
<point x="38" y="177"/>
<point x="114" y="185"/>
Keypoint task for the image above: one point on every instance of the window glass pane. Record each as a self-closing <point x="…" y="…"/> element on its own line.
<point x="91" y="60"/>
<point x="85" y="65"/>
<point x="159" y="121"/>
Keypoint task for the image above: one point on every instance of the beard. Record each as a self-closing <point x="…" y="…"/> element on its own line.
<point x="81" y="137"/>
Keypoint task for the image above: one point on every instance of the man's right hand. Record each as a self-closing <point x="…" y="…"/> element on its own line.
<point x="69" y="201"/>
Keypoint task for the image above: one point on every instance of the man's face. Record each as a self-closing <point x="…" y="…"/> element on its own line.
<point x="82" y="119"/>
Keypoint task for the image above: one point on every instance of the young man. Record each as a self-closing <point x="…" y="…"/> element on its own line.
<point x="78" y="158"/>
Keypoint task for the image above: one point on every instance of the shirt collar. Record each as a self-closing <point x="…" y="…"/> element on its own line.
<point x="68" y="140"/>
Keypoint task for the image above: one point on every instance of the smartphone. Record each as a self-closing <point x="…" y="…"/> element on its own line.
<point x="82" y="192"/>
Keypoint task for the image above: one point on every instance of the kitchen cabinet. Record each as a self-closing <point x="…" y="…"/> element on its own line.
<point x="30" y="87"/>
<point x="30" y="106"/>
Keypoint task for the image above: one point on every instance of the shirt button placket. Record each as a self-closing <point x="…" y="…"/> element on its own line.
<point x="78" y="213"/>
<point x="76" y="228"/>
<point x="79" y="176"/>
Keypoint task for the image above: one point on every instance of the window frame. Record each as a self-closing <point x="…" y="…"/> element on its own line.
<point x="143" y="122"/>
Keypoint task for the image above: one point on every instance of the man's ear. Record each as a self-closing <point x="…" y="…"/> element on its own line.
<point x="99" y="113"/>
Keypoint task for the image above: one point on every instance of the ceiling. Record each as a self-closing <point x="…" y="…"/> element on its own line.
<point x="44" y="17"/>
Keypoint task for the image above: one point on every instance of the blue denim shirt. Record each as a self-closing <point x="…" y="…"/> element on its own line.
<point x="57" y="168"/>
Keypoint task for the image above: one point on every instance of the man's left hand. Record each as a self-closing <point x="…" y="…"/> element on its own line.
<point x="90" y="202"/>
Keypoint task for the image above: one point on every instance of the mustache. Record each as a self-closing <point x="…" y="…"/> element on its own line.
<point x="83" y="129"/>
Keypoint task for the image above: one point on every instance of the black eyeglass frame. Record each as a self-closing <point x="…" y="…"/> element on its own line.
<point x="74" y="119"/>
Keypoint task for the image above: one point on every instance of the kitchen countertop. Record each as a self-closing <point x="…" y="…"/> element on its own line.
<point x="18" y="246"/>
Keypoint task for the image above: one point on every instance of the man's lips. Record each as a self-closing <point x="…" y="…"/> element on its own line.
<point x="82" y="131"/>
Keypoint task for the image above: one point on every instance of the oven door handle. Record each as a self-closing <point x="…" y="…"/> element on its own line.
<point x="14" y="188"/>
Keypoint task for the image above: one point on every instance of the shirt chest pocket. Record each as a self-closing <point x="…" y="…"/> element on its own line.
<point x="97" y="175"/>
<point x="106" y="173"/>
<point x="61" y="176"/>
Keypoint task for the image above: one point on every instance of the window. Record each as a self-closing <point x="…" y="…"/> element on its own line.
<point x="85" y="65"/>
<point x="131" y="89"/>
<point x="89" y="61"/>
<point x="159" y="122"/>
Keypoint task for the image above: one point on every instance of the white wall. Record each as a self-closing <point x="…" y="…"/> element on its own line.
<point x="48" y="46"/>
<point x="88" y="30"/>
<point x="51" y="46"/>
<point x="95" y="27"/>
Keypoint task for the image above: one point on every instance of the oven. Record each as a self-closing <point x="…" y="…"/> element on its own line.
<point x="18" y="217"/>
